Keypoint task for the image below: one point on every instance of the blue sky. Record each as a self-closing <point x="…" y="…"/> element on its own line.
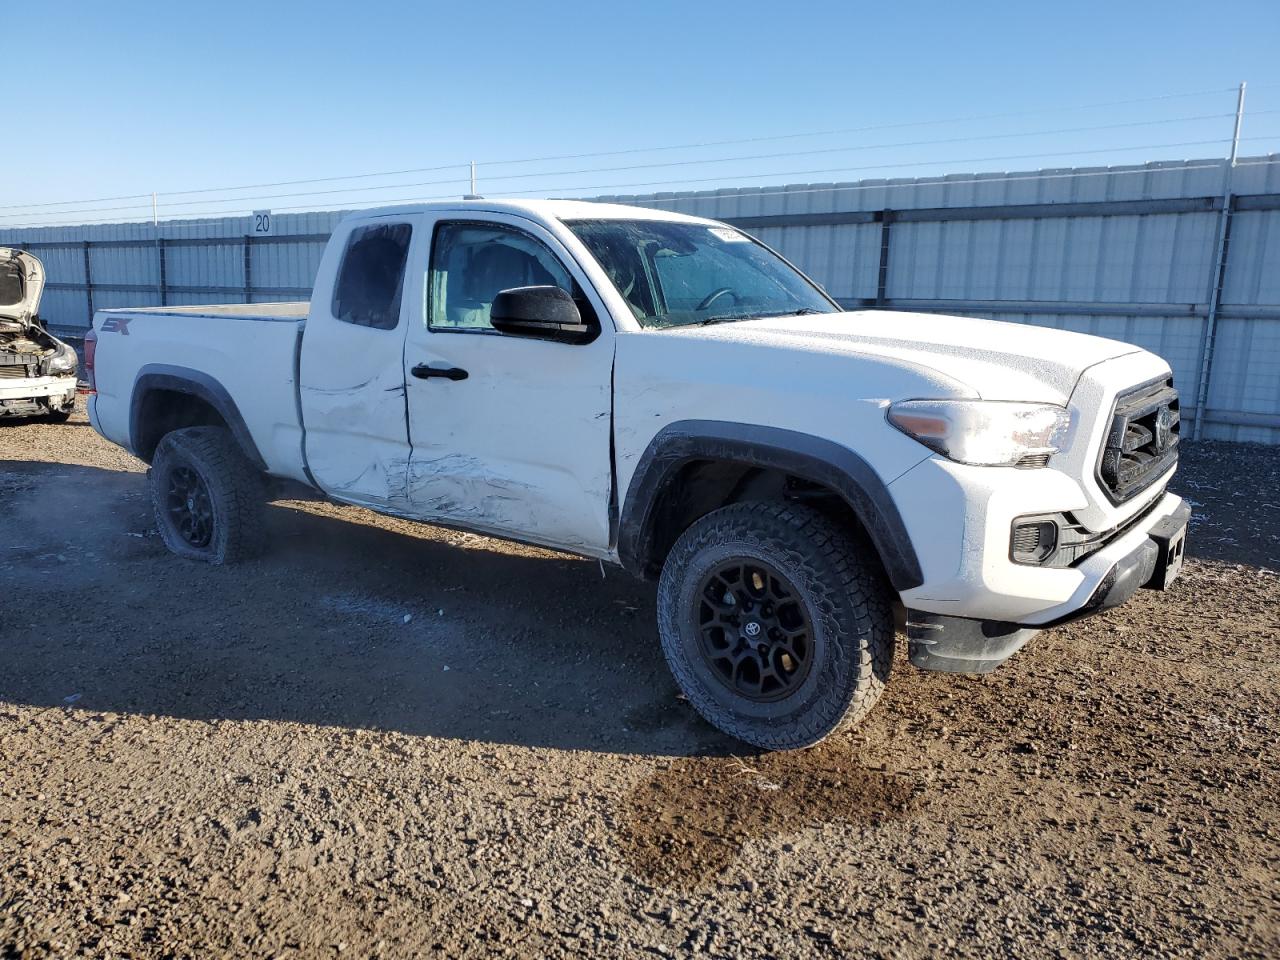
<point x="126" y="98"/>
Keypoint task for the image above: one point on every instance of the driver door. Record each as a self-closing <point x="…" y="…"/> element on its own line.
<point x="510" y="435"/>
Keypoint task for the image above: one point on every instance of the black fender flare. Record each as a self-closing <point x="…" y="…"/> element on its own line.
<point x="802" y="455"/>
<point x="163" y="376"/>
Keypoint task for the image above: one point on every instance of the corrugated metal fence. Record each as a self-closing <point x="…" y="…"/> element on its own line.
<point x="1125" y="252"/>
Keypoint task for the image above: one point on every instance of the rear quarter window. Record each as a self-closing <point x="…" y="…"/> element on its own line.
<point x="371" y="278"/>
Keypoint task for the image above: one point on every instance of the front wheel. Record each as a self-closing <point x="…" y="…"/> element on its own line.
<point x="776" y="623"/>
<point x="206" y="495"/>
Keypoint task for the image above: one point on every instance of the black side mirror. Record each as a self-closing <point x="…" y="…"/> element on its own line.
<point x="541" y="313"/>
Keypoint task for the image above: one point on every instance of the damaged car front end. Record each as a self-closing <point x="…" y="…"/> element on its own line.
<point x="37" y="370"/>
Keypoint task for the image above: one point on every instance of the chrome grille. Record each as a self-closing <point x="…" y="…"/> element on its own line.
<point x="1142" y="443"/>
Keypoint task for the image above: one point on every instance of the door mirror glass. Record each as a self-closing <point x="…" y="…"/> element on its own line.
<point x="542" y="313"/>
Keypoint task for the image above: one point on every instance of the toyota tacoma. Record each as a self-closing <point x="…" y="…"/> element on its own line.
<point x="666" y="393"/>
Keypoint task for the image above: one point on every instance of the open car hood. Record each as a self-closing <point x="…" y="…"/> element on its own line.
<point x="21" y="283"/>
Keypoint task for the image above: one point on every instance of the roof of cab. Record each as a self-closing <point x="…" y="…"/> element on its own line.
<point x="536" y="209"/>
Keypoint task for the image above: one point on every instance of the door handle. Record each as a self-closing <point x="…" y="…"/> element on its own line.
<point x="424" y="372"/>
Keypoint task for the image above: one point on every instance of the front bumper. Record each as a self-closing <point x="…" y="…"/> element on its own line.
<point x="23" y="397"/>
<point x="1148" y="557"/>
<point x="960" y="518"/>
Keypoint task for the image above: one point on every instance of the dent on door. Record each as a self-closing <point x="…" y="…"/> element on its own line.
<point x="352" y="379"/>
<point x="518" y="484"/>
<point x="520" y="447"/>
<point x="351" y="462"/>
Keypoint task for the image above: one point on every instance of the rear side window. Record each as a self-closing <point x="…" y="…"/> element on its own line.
<point x="371" y="278"/>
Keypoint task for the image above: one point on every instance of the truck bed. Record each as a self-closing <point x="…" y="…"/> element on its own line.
<point x="250" y="351"/>
<point x="290" y="311"/>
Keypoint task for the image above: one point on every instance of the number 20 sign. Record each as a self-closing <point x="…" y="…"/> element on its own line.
<point x="262" y="226"/>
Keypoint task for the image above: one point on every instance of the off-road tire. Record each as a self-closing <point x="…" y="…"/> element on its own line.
<point x="840" y="582"/>
<point x="236" y="493"/>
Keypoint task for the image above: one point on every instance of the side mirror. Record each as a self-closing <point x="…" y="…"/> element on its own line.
<point x="541" y="313"/>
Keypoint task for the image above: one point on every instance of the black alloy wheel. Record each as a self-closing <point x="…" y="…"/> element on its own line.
<point x="189" y="505"/>
<point x="755" y="633"/>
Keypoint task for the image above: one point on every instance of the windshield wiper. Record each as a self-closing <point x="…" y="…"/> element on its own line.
<point x="802" y="312"/>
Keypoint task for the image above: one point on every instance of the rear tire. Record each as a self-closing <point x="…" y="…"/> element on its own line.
<point x="776" y="623"/>
<point x="207" y="496"/>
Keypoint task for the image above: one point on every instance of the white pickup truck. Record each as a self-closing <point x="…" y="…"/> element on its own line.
<point x="665" y="393"/>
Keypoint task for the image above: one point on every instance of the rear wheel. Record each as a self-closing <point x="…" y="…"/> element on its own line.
<point x="206" y="495"/>
<point x="776" y="623"/>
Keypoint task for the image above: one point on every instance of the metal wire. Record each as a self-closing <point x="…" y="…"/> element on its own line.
<point x="702" y="195"/>
<point x="632" y="150"/>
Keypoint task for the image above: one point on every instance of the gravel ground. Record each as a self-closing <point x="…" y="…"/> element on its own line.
<point x="387" y="739"/>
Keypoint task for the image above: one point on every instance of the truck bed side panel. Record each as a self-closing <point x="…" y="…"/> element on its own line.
<point x="252" y="356"/>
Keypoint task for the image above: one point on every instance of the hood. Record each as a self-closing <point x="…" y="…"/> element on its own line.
<point x="21" y="283"/>
<point x="997" y="360"/>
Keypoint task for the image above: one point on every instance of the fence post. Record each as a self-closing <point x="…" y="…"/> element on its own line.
<point x="248" y="268"/>
<point x="88" y="282"/>
<point x="886" y="218"/>
<point x="1219" y="275"/>
<point x="164" y="269"/>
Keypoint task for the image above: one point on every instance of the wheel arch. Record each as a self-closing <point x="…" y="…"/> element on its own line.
<point x="746" y="461"/>
<point x="167" y="398"/>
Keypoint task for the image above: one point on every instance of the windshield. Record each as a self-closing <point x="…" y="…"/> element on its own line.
<point x="677" y="274"/>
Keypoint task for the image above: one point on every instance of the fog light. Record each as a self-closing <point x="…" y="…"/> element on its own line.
<point x="1033" y="541"/>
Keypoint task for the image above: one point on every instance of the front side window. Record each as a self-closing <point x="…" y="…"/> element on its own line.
<point x="471" y="263"/>
<point x="371" y="278"/>
<point x="676" y="274"/>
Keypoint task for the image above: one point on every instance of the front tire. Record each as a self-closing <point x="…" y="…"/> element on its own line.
<point x="776" y="623"/>
<point x="207" y="497"/>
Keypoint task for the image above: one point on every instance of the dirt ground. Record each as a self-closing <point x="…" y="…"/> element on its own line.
<point x="387" y="739"/>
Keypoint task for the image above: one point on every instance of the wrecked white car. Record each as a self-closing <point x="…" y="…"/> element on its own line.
<point x="37" y="370"/>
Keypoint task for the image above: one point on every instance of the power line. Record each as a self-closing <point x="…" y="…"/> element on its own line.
<point x="923" y="182"/>
<point x="759" y="156"/>
<point x="633" y="150"/>
<point x="867" y="129"/>
<point x="877" y="146"/>
<point x="671" y="163"/>
<point x="881" y="166"/>
<point x="989" y="180"/>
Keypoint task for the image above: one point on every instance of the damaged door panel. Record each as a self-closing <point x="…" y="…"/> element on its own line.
<point x="508" y="433"/>
<point x="352" y="380"/>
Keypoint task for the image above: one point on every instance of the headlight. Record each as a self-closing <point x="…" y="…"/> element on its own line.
<point x="984" y="432"/>
<point x="64" y="362"/>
